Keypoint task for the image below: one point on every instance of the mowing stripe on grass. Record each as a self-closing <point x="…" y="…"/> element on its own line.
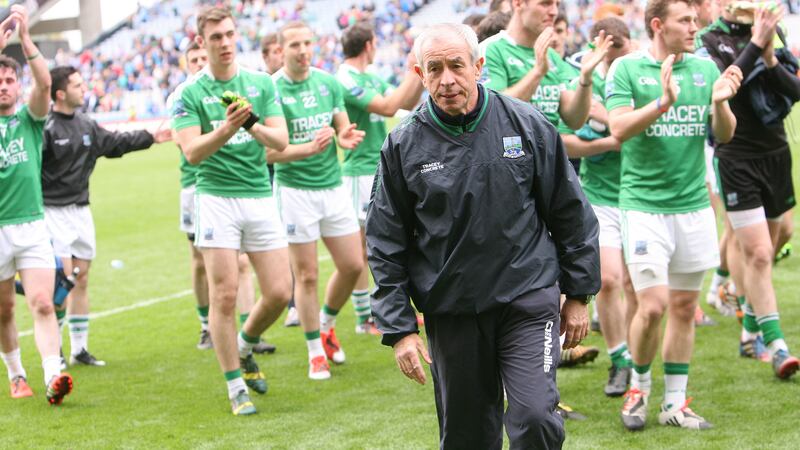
<point x="146" y="303"/>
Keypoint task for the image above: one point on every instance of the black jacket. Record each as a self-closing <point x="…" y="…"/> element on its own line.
<point x="466" y="218"/>
<point x="70" y="148"/>
<point x="729" y="43"/>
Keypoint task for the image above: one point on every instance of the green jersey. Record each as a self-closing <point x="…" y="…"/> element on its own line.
<point x="599" y="173"/>
<point x="21" y="168"/>
<point x="188" y="171"/>
<point x="663" y="168"/>
<point x="238" y="168"/>
<point x="507" y="63"/>
<point x="310" y="105"/>
<point x="359" y="89"/>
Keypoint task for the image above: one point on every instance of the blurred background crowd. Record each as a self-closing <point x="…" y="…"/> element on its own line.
<point x="131" y="69"/>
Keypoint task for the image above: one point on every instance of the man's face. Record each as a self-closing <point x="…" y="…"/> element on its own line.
<point x="297" y="49"/>
<point x="560" y="38"/>
<point x="537" y="15"/>
<point x="273" y="57"/>
<point x="196" y="60"/>
<point x="679" y="27"/>
<point x="704" y="12"/>
<point x="74" y="91"/>
<point x="219" y="40"/>
<point x="9" y="87"/>
<point x="449" y="74"/>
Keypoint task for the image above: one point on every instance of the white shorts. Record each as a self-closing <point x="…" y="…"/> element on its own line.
<point x="360" y="189"/>
<point x="25" y="246"/>
<point x="610" y="229"/>
<point x="711" y="174"/>
<point x="311" y="214"/>
<point x="72" y="231"/>
<point x="682" y="243"/>
<point x="246" y="224"/>
<point x="187" y="210"/>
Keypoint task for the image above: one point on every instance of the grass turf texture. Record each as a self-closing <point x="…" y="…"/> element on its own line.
<point x="158" y="391"/>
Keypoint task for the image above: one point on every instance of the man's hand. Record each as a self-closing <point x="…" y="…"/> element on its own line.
<point x="765" y="25"/>
<point x="598" y="112"/>
<point x="727" y="85"/>
<point x="349" y="138"/>
<point x="321" y="140"/>
<point x="406" y="353"/>
<point x="669" y="89"/>
<point x="21" y="16"/>
<point x="162" y="135"/>
<point x="574" y="322"/>
<point x="540" y="49"/>
<point x="236" y="116"/>
<point x="589" y="62"/>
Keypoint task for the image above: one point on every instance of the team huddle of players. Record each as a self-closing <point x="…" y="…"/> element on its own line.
<point x="643" y="169"/>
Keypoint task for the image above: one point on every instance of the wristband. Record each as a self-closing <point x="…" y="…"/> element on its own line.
<point x="660" y="109"/>
<point x="252" y="120"/>
<point x="32" y="57"/>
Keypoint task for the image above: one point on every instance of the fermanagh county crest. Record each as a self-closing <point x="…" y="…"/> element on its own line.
<point x="512" y="147"/>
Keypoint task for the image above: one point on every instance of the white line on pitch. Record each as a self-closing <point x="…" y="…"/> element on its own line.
<point x="145" y="303"/>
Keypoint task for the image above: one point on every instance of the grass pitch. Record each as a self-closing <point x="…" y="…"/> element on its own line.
<point x="158" y="391"/>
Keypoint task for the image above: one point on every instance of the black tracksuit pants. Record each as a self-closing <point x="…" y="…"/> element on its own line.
<point x="475" y="356"/>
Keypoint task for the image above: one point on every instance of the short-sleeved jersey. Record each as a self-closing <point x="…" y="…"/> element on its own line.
<point x="21" y="168"/>
<point x="599" y="173"/>
<point x="507" y="63"/>
<point x="359" y="89"/>
<point x="663" y="169"/>
<point x="188" y="171"/>
<point x="238" y="168"/>
<point x="308" y="106"/>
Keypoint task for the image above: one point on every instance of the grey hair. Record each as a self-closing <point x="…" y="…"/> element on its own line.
<point x="465" y="32"/>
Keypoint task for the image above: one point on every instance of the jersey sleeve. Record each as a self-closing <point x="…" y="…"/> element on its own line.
<point x="273" y="99"/>
<point x="184" y="111"/>
<point x="619" y="90"/>
<point x="355" y="95"/>
<point x="494" y="74"/>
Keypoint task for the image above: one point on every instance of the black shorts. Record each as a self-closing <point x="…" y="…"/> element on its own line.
<point x="750" y="183"/>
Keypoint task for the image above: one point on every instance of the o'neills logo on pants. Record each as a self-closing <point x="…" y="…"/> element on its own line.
<point x="548" y="345"/>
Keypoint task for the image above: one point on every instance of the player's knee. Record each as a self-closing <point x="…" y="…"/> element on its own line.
<point x="651" y="312"/>
<point x="307" y="277"/>
<point x="611" y="281"/>
<point x="42" y="303"/>
<point x="351" y="267"/>
<point x="198" y="266"/>
<point x="82" y="280"/>
<point x="7" y="311"/>
<point x="223" y="299"/>
<point x="759" y="256"/>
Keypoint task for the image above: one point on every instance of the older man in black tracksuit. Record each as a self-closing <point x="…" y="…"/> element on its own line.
<point x="72" y="144"/>
<point x="478" y="217"/>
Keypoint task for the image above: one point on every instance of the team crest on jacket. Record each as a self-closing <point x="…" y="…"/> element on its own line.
<point x="87" y="140"/>
<point x="512" y="147"/>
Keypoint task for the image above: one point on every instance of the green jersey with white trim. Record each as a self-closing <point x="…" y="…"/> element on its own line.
<point x="188" y="171"/>
<point x="599" y="173"/>
<point x="21" y="168"/>
<point x="310" y="105"/>
<point x="507" y="63"/>
<point x="238" y="168"/>
<point x="663" y="170"/>
<point x="359" y="89"/>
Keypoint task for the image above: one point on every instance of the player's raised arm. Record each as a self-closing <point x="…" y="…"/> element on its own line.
<point x="39" y="102"/>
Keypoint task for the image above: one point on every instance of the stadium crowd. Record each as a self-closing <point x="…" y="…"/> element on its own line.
<point x="639" y="230"/>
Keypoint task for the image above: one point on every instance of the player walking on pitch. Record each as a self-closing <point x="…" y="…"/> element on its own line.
<point x="235" y="209"/>
<point x="660" y="102"/>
